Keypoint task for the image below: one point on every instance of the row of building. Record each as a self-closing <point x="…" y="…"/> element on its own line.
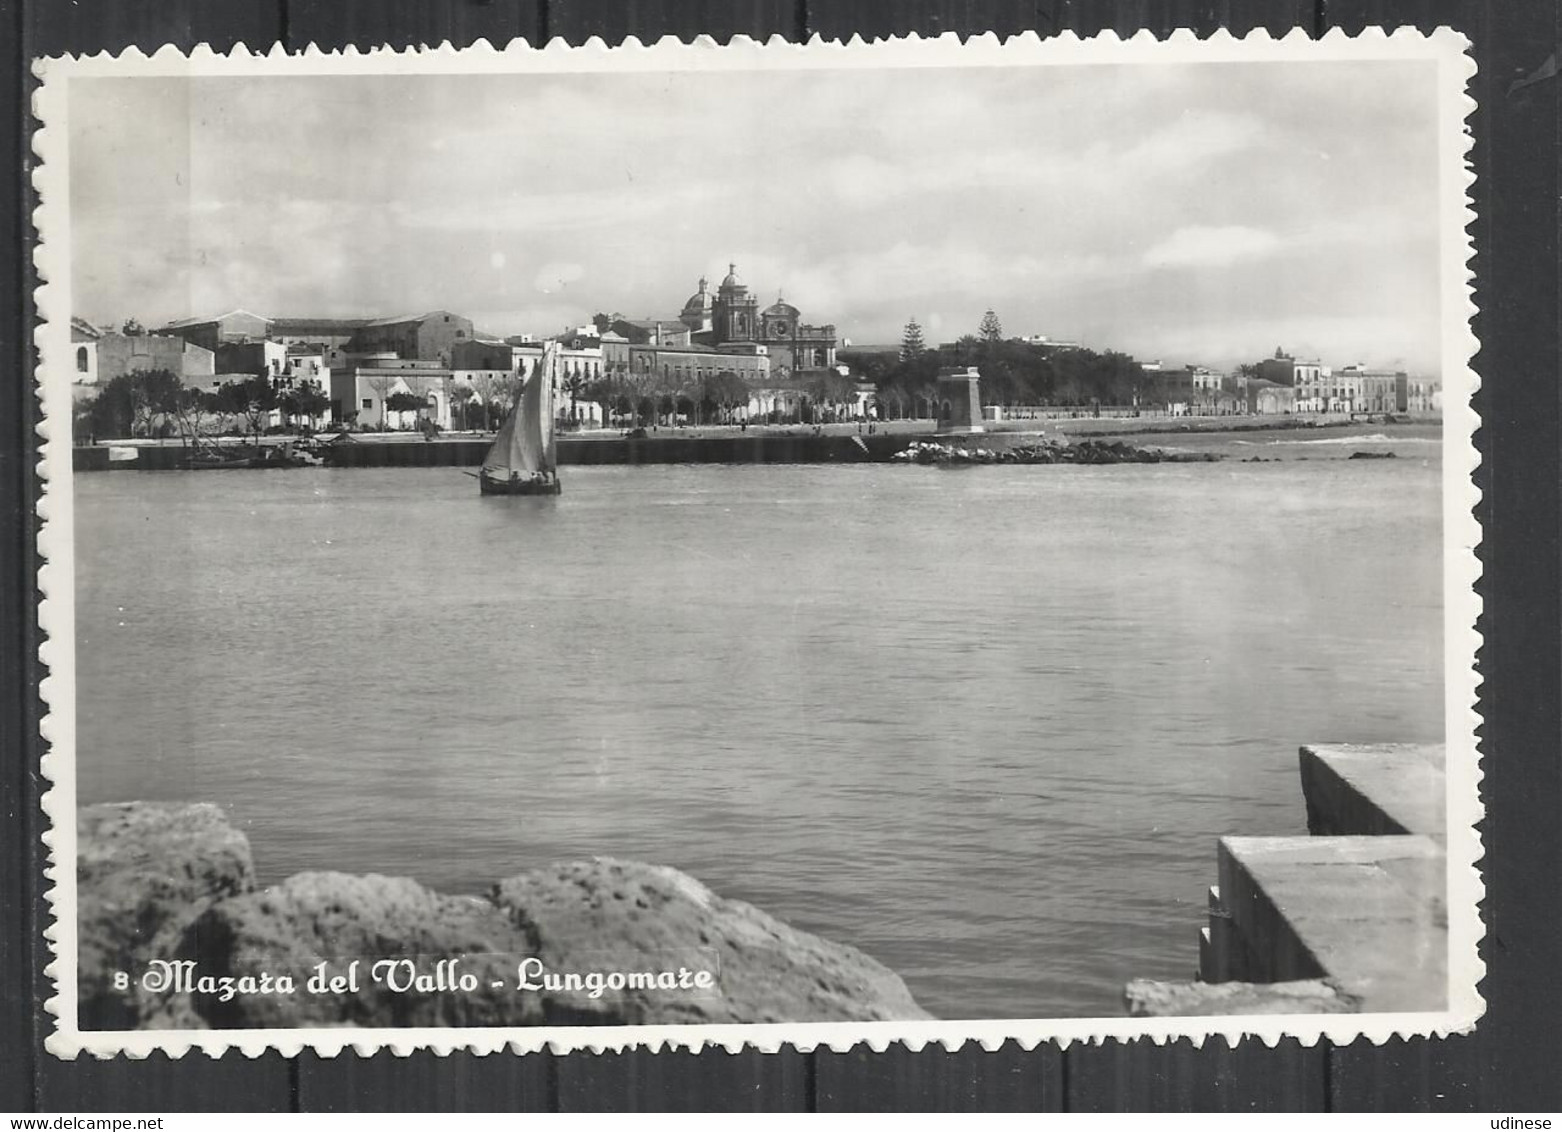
<point x="1286" y="384"/>
<point x="442" y="360"/>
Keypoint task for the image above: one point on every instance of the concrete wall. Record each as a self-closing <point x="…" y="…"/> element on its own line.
<point x="661" y="448"/>
<point x="120" y="354"/>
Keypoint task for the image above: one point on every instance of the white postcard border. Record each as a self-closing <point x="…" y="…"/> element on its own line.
<point x="1462" y="605"/>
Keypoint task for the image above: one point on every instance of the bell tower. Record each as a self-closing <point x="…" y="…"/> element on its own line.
<point x="737" y="311"/>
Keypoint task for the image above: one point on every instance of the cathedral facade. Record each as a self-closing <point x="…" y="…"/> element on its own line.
<point x="731" y="317"/>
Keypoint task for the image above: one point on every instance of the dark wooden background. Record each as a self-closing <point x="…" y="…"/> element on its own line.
<point x="1510" y="1062"/>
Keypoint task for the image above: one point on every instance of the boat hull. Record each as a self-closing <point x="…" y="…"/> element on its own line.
<point x="193" y="465"/>
<point x="490" y="486"/>
<point x="210" y="459"/>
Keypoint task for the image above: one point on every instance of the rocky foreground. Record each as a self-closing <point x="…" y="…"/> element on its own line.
<point x="1048" y="451"/>
<point x="174" y="934"/>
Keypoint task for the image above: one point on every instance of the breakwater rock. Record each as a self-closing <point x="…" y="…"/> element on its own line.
<point x="144" y="873"/>
<point x="174" y="934"/>
<point x="1047" y="452"/>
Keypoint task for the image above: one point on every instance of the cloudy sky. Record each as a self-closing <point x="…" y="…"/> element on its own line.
<point x="1194" y="213"/>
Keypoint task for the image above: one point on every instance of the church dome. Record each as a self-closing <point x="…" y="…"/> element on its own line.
<point x="732" y="282"/>
<point x="781" y="309"/>
<point x="701" y="301"/>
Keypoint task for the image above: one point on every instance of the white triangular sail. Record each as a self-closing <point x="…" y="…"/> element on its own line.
<point x="499" y="458"/>
<point x="528" y="446"/>
<point x="525" y="445"/>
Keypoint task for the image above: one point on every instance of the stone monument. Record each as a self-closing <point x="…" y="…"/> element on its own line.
<point x="959" y="407"/>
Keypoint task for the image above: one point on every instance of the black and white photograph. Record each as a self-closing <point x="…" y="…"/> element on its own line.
<point x="759" y="543"/>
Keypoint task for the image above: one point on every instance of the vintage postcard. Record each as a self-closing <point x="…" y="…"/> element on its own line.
<point x="757" y="544"/>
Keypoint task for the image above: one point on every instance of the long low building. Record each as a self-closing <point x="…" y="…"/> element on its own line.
<point x="684" y="367"/>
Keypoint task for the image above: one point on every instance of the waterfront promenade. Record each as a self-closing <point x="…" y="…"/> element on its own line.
<point x="724" y="444"/>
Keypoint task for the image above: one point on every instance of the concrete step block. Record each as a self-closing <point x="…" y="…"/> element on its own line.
<point x="1368" y="913"/>
<point x="1374" y="789"/>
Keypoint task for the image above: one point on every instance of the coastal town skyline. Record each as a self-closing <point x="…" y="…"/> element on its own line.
<point x="1200" y="214"/>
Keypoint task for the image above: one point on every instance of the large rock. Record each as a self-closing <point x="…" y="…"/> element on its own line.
<point x="173" y="935"/>
<point x="336" y="919"/>
<point x="144" y="871"/>
<point x="607" y="916"/>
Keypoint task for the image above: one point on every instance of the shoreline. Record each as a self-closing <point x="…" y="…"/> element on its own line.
<point x="1186" y="425"/>
<point x="770" y="444"/>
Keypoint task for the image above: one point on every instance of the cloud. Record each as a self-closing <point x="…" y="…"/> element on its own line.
<point x="1118" y="206"/>
<point x="1195" y="140"/>
<point x="1200" y="246"/>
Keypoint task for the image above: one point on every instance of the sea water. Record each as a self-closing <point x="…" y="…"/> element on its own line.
<point x="985" y="726"/>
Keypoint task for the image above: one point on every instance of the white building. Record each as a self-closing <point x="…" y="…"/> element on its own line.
<point x="305" y="366"/>
<point x="1205" y="379"/>
<point x="84" y="357"/>
<point x="1321" y="389"/>
<point x="361" y="393"/>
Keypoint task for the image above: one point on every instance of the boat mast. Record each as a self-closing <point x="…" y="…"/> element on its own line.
<point x="550" y="458"/>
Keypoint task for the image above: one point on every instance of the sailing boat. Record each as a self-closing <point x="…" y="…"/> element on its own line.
<point x="524" y="456"/>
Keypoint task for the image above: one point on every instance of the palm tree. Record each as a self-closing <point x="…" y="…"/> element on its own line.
<point x="483" y="388"/>
<point x="836" y="389"/>
<point x="606" y="391"/>
<point x="460" y="395"/>
<point x="573" y="385"/>
<point x="382" y="384"/>
<point x="929" y="391"/>
<point x="725" y="389"/>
